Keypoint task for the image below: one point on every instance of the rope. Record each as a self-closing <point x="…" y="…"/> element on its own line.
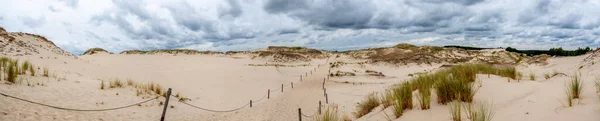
<point x="212" y="110"/>
<point x="71" y="109"/>
<point x="260" y="99"/>
<point x="309" y="116"/>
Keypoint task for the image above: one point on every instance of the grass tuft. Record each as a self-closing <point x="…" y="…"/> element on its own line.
<point x="330" y="114"/>
<point x="398" y="109"/>
<point x="546" y="76"/>
<point x="454" y="89"/>
<point x="387" y="98"/>
<point x="424" y="98"/>
<point x="363" y="108"/>
<point x="404" y="95"/>
<point x="12" y="71"/>
<point x="102" y="85"/>
<point x="455" y="111"/>
<point x="25" y="66"/>
<point x="480" y="112"/>
<point x="575" y="86"/>
<point x="532" y="76"/>
<point x="46" y="71"/>
<point x="32" y="70"/>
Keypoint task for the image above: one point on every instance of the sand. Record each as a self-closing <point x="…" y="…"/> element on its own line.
<point x="223" y="82"/>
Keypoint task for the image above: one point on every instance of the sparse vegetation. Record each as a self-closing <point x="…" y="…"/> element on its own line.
<point x="546" y="76"/>
<point x="532" y="76"/>
<point x="46" y="72"/>
<point x="387" y="98"/>
<point x="330" y="114"/>
<point x="363" y="108"/>
<point x="102" y="85"/>
<point x="454" y="89"/>
<point x="597" y="85"/>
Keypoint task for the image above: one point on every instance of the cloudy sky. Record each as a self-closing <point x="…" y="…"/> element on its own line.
<point x="221" y="25"/>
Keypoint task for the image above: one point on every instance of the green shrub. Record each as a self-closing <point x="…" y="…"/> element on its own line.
<point x="363" y="108"/>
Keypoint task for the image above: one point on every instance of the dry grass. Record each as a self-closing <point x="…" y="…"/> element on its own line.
<point x="115" y="84"/>
<point x="546" y="76"/>
<point x="597" y="85"/>
<point x="102" y="85"/>
<point x="363" y="108"/>
<point x="25" y="67"/>
<point x="573" y="90"/>
<point x="454" y="89"/>
<point x="424" y="98"/>
<point x="330" y="114"/>
<point x="46" y="72"/>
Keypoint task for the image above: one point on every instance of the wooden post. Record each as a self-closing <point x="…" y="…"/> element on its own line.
<point x="250" y="103"/>
<point x="299" y="114"/>
<point x="306" y="74"/>
<point x="326" y="98"/>
<point x="292" y="84"/>
<point x="300" y="77"/>
<point x="268" y="93"/>
<point x="319" y="107"/>
<point x="325" y="92"/>
<point x="162" y="118"/>
<point x="281" y="87"/>
<point x="323" y="83"/>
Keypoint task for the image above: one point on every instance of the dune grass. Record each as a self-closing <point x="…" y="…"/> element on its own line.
<point x="12" y="71"/>
<point x="454" y="89"/>
<point x="480" y="112"/>
<point x="575" y="86"/>
<point x="532" y="76"/>
<point x="31" y="70"/>
<point x="25" y="67"/>
<point x="546" y="76"/>
<point x="102" y="85"/>
<point x="455" y="111"/>
<point x="398" y="108"/>
<point x="363" y="108"/>
<point x="404" y="95"/>
<point x="330" y="114"/>
<point x="573" y="89"/>
<point x="424" y="98"/>
<point x="46" y="72"/>
<point x="387" y="98"/>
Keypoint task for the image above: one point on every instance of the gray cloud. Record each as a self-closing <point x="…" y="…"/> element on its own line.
<point x="326" y="24"/>
<point x="34" y="22"/>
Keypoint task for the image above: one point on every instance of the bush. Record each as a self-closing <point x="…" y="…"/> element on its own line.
<point x="363" y="108"/>
<point x="330" y="114"/>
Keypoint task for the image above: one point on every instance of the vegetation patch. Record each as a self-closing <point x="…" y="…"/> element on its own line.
<point x="363" y="108"/>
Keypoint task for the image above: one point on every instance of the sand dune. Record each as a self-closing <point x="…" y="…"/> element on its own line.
<point x="224" y="81"/>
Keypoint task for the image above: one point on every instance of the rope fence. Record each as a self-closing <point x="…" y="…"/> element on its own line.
<point x="72" y="109"/>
